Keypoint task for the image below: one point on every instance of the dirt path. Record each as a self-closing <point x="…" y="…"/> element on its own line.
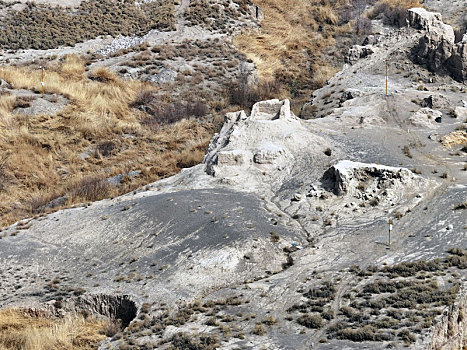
<point x="179" y="18"/>
<point x="335" y="306"/>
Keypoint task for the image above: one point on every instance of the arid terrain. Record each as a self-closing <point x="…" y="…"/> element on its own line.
<point x="233" y="175"/>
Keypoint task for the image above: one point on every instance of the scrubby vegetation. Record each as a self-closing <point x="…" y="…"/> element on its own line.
<point x="44" y="27"/>
<point x="223" y="319"/>
<point x="393" y="303"/>
<point x="99" y="134"/>
<point x="204" y="73"/>
<point x="24" y="330"/>
<point x="217" y="16"/>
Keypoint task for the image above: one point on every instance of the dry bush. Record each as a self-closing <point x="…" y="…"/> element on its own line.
<point x="216" y="17"/>
<point x="144" y="98"/>
<point x="111" y="328"/>
<point x="161" y="114"/>
<point x="321" y="73"/>
<point x="310" y="321"/>
<point x="21" y="331"/>
<point x="244" y="95"/>
<point x="7" y="103"/>
<point x="363" y="26"/>
<point x="90" y="188"/>
<point x="96" y="109"/>
<point x="103" y="75"/>
<point x="324" y="14"/>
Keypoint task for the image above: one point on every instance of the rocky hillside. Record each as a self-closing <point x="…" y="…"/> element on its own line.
<point x="279" y="238"/>
<point x="454" y="12"/>
<point x="122" y="78"/>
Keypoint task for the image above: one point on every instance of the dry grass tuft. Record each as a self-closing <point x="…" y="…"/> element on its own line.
<point x="19" y="330"/>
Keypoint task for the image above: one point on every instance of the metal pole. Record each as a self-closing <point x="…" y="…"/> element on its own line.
<point x="387" y="74"/>
<point x="42" y="81"/>
<point x="390" y="229"/>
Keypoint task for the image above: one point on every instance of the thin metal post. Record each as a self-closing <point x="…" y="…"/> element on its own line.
<point x="390" y="229"/>
<point x="42" y="81"/>
<point x="387" y="75"/>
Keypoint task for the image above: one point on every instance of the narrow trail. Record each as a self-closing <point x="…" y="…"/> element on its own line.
<point x="179" y="18"/>
<point x="335" y="306"/>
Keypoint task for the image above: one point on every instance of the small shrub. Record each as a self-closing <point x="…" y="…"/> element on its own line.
<point x="327" y="290"/>
<point x="363" y="26"/>
<point x="90" y="188"/>
<point x="352" y="315"/>
<point x="194" y="342"/>
<point x="31" y="27"/>
<point x="212" y="322"/>
<point x="4" y="172"/>
<point x="386" y="322"/>
<point x="270" y="320"/>
<point x="457" y="251"/>
<point x="327" y="315"/>
<point x="102" y="75"/>
<point x="259" y="330"/>
<point x="406" y="151"/>
<point x="366" y="333"/>
<point x="310" y="321"/>
<point x="407" y="336"/>
<point x="408" y="269"/>
<point x="112" y="327"/>
<point x="106" y="148"/>
<point x="275" y="237"/>
<point x="143" y="97"/>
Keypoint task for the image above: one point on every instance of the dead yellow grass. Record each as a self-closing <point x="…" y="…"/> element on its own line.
<point x="41" y="151"/>
<point x="97" y="108"/>
<point x="19" y="330"/>
<point x="403" y="3"/>
<point x="458" y="137"/>
<point x="288" y="40"/>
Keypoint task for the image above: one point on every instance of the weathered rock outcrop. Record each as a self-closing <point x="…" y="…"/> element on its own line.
<point x="454" y="9"/>
<point x="450" y="333"/>
<point x="435" y="102"/>
<point x="426" y="118"/>
<point x="357" y="52"/>
<point x="437" y="49"/>
<point x="421" y="19"/>
<point x="265" y="143"/>
<point x="347" y="176"/>
<point x="457" y="63"/>
<point x="460" y="112"/>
